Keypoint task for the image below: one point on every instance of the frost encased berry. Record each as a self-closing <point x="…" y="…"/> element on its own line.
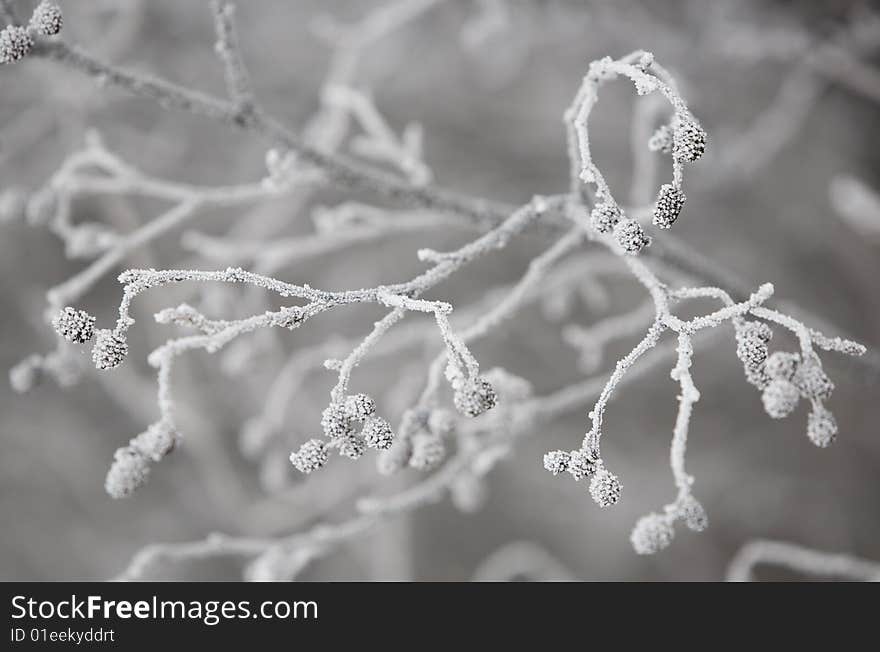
<point x="335" y="421"/>
<point x="780" y="398"/>
<point x="651" y="534"/>
<point x="15" y="43"/>
<point x="475" y="396"/>
<point x="582" y="464"/>
<point x="556" y="461"/>
<point x="130" y="471"/>
<point x="311" y="456"/>
<point x="693" y="514"/>
<point x="46" y="19"/>
<point x="783" y="364"/>
<point x="812" y="381"/>
<point x="74" y="325"/>
<point x="670" y="201"/>
<point x="155" y="442"/>
<point x="689" y="139"/>
<point x="377" y="433"/>
<point x="821" y="427"/>
<point x="605" y="488"/>
<point x="359" y="406"/>
<point x="631" y="236"/>
<point x="352" y="447"/>
<point x="605" y="216"/>
<point x="110" y="349"/>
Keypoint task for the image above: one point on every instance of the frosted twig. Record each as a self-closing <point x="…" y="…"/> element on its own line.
<point x="797" y="558"/>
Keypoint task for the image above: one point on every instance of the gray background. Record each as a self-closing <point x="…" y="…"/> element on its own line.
<point x="493" y="128"/>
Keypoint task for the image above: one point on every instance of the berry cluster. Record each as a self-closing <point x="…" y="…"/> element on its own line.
<point x="78" y="326"/>
<point x="605" y="487"/>
<point x="17" y="41"/>
<point x="654" y="532"/>
<point x="339" y="424"/>
<point x="785" y="378"/>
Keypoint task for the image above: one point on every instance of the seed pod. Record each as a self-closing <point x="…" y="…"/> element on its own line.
<point x="110" y="349"/>
<point x="605" y="216"/>
<point x="335" y="421"/>
<point x="46" y="19"/>
<point x="556" y="461"/>
<point x="783" y="364"/>
<point x="689" y="139"/>
<point x="693" y="514"/>
<point x="651" y="534"/>
<point x="605" y="488"/>
<point x="359" y="406"/>
<point x="155" y="442"/>
<point x="821" y="427"/>
<point x="15" y="43"/>
<point x="377" y="433"/>
<point x="130" y="471"/>
<point x="670" y="201"/>
<point x="582" y="464"/>
<point x="812" y="382"/>
<point x="312" y="455"/>
<point x="73" y="325"/>
<point x="475" y="396"/>
<point x="780" y="398"/>
<point x="352" y="447"/>
<point x="630" y="236"/>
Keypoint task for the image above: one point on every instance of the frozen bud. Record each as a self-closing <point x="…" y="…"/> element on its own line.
<point x="605" y="216"/>
<point x="782" y="364"/>
<point x="15" y="43"/>
<point x="755" y="330"/>
<point x="155" y="442"/>
<point x="46" y="19"/>
<point x="13" y="204"/>
<point x="780" y="398"/>
<point x="312" y="455"/>
<point x="752" y="352"/>
<point x="556" y="461"/>
<point x="693" y="514"/>
<point x="689" y="140"/>
<point x="427" y="452"/>
<point x="74" y="325"/>
<point x="758" y="377"/>
<point x="394" y="458"/>
<point x="582" y="464"/>
<point x="27" y="374"/>
<point x="377" y="433"/>
<point x="352" y="447"/>
<point x="821" y="427"/>
<point x="129" y="471"/>
<point x="670" y="201"/>
<point x="651" y="534"/>
<point x="813" y="382"/>
<point x="291" y="318"/>
<point x="605" y="488"/>
<point x="110" y="349"/>
<point x="42" y="207"/>
<point x="335" y="421"/>
<point x="441" y="422"/>
<point x="359" y="406"/>
<point x="631" y="236"/>
<point x="474" y="396"/>
<point x="661" y="140"/>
